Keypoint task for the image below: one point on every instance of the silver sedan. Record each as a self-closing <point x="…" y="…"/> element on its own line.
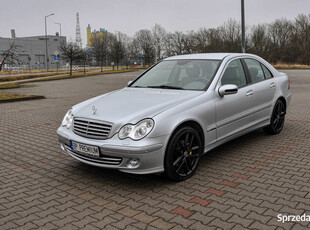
<point x="176" y="111"/>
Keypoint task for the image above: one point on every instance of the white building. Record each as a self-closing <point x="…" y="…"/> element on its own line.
<point x="31" y="51"/>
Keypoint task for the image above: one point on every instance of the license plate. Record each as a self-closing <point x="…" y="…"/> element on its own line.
<point x="87" y="150"/>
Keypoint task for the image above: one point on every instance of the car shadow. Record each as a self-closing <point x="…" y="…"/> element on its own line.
<point x="151" y="181"/>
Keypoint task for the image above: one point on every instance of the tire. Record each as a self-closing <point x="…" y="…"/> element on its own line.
<point x="277" y="119"/>
<point x="183" y="154"/>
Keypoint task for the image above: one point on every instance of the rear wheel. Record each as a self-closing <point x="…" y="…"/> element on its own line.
<point x="277" y="119"/>
<point x="183" y="154"/>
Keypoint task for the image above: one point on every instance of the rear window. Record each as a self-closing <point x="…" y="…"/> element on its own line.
<point x="267" y="73"/>
<point x="255" y="69"/>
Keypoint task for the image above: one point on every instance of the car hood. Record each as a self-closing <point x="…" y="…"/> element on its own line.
<point x="130" y="105"/>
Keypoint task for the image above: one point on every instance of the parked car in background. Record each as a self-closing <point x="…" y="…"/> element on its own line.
<point x="176" y="111"/>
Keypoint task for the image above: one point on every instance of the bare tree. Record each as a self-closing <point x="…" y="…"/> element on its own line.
<point x="9" y="55"/>
<point x="85" y="57"/>
<point x="159" y="35"/>
<point x="118" y="49"/>
<point x="133" y="46"/>
<point x="280" y="32"/>
<point x="130" y="50"/>
<point x="181" y="43"/>
<point x="201" y="41"/>
<point x="189" y="42"/>
<point x="208" y="40"/>
<point x="176" y="40"/>
<point x="72" y="52"/>
<point x="144" y="40"/>
<point x="231" y="35"/>
<point x="259" y="41"/>
<point x="215" y="42"/>
<point x="301" y="39"/>
<point x="169" y="45"/>
<point x="280" y="41"/>
<point x="101" y="43"/>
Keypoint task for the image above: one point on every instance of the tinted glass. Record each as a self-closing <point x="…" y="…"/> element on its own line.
<point x="234" y="74"/>
<point x="255" y="70"/>
<point x="183" y="74"/>
<point x="267" y="72"/>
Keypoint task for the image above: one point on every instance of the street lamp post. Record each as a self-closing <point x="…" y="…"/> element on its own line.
<point x="242" y="26"/>
<point x="46" y="51"/>
<point x="59" y="27"/>
<point x="57" y="62"/>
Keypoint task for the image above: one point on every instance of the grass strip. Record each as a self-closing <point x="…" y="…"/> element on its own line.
<point x="9" y="86"/>
<point x="82" y="75"/>
<point x="63" y="76"/>
<point x="25" y="77"/>
<point x="291" y="66"/>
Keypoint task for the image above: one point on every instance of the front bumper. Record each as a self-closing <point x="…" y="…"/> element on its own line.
<point x="116" y="153"/>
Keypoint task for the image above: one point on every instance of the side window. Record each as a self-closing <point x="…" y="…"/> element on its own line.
<point x="255" y="70"/>
<point x="267" y="72"/>
<point x="234" y="74"/>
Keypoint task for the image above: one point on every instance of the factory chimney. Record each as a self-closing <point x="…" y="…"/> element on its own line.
<point x="13" y="33"/>
<point x="78" y="37"/>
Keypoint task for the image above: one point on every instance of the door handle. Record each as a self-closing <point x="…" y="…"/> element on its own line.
<point x="250" y="92"/>
<point x="272" y="85"/>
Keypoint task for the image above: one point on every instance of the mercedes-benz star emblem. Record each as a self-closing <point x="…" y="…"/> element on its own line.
<point x="94" y="109"/>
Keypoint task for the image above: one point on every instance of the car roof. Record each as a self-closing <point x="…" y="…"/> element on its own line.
<point x="213" y="56"/>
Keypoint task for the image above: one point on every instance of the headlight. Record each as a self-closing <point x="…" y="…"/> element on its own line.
<point x="137" y="131"/>
<point x="68" y="119"/>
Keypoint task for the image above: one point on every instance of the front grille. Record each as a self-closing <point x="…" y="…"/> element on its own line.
<point x="91" y="128"/>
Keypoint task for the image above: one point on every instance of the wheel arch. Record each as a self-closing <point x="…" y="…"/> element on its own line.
<point x="193" y="124"/>
<point x="284" y="102"/>
<point x="189" y="123"/>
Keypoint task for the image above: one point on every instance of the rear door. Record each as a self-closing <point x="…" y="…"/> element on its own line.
<point x="264" y="89"/>
<point x="234" y="112"/>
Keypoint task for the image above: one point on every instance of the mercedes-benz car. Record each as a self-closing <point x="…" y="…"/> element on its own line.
<point x="176" y="111"/>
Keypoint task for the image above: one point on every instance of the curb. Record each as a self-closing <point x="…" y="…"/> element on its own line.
<point x="10" y="88"/>
<point x="13" y="87"/>
<point x="32" y="97"/>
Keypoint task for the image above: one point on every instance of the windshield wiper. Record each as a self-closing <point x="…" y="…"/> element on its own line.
<point x="165" y="87"/>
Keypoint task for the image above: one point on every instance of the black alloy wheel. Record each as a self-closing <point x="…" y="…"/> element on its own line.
<point x="277" y="119"/>
<point x="183" y="154"/>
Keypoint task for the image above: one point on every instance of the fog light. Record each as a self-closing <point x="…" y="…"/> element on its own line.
<point x="133" y="163"/>
<point x="62" y="147"/>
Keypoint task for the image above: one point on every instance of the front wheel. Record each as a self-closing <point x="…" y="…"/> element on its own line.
<point x="183" y="154"/>
<point x="277" y="119"/>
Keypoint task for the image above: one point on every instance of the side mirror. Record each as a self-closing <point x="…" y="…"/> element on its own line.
<point x="228" y="89"/>
<point x="129" y="83"/>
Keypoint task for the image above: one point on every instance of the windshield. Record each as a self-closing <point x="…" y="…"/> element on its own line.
<point x="179" y="74"/>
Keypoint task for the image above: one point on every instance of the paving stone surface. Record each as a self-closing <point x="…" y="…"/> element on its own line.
<point x="243" y="184"/>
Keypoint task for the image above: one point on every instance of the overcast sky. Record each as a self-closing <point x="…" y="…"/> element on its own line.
<point x="128" y="16"/>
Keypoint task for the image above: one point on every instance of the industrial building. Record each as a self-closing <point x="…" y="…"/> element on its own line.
<point x="91" y="34"/>
<point x="31" y="52"/>
<point x="134" y="59"/>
